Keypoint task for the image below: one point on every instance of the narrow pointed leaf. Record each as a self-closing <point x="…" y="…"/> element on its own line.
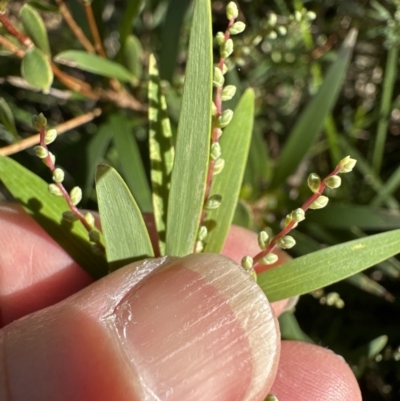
<point x="161" y="152"/>
<point x="32" y="192"/>
<point x="125" y="232"/>
<point x="131" y="57"/>
<point x="235" y="144"/>
<point x="35" y="28"/>
<point x="94" y="64"/>
<point x="131" y="12"/>
<point x="36" y="69"/>
<point x="290" y="328"/>
<point x="319" y="269"/>
<point x="193" y="138"/>
<point x="7" y="118"/>
<point x="312" y="119"/>
<point x="363" y="282"/>
<point x="130" y="160"/>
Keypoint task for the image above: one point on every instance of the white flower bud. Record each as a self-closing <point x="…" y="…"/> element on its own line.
<point x="213" y="202"/>
<point x="298" y="215"/>
<point x="215" y="151"/>
<point x="50" y="136"/>
<point x="75" y="195"/>
<point x="39" y="121"/>
<point x="272" y="35"/>
<point x="247" y="262"/>
<point x="218" y="166"/>
<point x="269" y="259"/>
<point x="213" y="109"/>
<point x="90" y="219"/>
<point x="232" y="11"/>
<point x="313" y="182"/>
<point x="311" y="15"/>
<point x="52" y="158"/>
<point x="219" y="132"/>
<point x="41" y="152"/>
<point x="282" y="30"/>
<point x="202" y="234"/>
<point x="319" y="203"/>
<point x="54" y="190"/>
<point x="219" y="79"/>
<point x="225" y="118"/>
<point x="333" y="181"/>
<point x="272" y="19"/>
<point x="58" y="175"/>
<point x="224" y="69"/>
<point x="263" y="239"/>
<point x="348" y="165"/>
<point x="237" y="27"/>
<point x="286" y="242"/>
<point x="199" y="246"/>
<point x="220" y="38"/>
<point x="228" y="92"/>
<point x="226" y="49"/>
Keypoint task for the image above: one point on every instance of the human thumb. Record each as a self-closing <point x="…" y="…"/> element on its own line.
<point x="182" y="329"/>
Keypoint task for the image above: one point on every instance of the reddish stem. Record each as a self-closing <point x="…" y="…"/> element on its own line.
<point x="290" y="226"/>
<point x="10" y="28"/>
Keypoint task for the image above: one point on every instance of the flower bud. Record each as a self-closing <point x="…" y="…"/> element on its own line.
<point x="50" y="136"/>
<point x="198" y="247"/>
<point x="220" y="38"/>
<point x="94" y="236"/>
<point x="272" y="19"/>
<point x="213" y="109"/>
<point x="333" y="181"/>
<point x="313" y="182"/>
<point x="58" y="175"/>
<point x="286" y="242"/>
<point x="226" y="49"/>
<point x="218" y="166"/>
<point x="219" y="79"/>
<point x="52" y="158"/>
<point x="232" y="11"/>
<point x="202" y="234"/>
<point x="319" y="203"/>
<point x="75" y="195"/>
<point x="298" y="215"/>
<point x="54" y="190"/>
<point x="311" y="15"/>
<point x="269" y="259"/>
<point x="90" y="219"/>
<point x="247" y="262"/>
<point x="41" y="152"/>
<point x="298" y="16"/>
<point x="272" y="35"/>
<point x="237" y="27"/>
<point x="271" y="397"/>
<point x="289" y="219"/>
<point x="39" y="121"/>
<point x="263" y="239"/>
<point x="225" y="118"/>
<point x="282" y="30"/>
<point x="213" y="202"/>
<point x="215" y="151"/>
<point x="224" y="68"/>
<point x="348" y="165"/>
<point x="228" y="92"/>
<point x="218" y="132"/>
<point x="70" y="216"/>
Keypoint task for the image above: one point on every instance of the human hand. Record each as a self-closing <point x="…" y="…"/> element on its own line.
<point x="83" y="341"/>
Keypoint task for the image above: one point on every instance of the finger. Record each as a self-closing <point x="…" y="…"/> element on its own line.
<point x="197" y="328"/>
<point x="308" y="372"/>
<point x="34" y="271"/>
<point x="241" y="242"/>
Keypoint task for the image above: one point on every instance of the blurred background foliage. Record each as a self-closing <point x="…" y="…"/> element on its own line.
<point x="283" y="54"/>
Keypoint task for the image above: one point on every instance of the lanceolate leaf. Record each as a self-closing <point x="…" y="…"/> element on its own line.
<point x="132" y="52"/>
<point x="312" y="119"/>
<point x="94" y="64"/>
<point x="131" y="11"/>
<point x="161" y="151"/>
<point x="319" y="269"/>
<point x="36" y="69"/>
<point x="32" y="192"/>
<point x="235" y="144"/>
<point x="125" y="232"/>
<point x="193" y="138"/>
<point x="130" y="160"/>
<point x="7" y="118"/>
<point x="35" y="28"/>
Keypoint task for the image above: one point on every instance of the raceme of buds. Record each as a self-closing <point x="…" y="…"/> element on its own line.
<point x="247" y="262"/>
<point x="219" y="79"/>
<point x="237" y="27"/>
<point x="54" y="190"/>
<point x="213" y="202"/>
<point x="218" y="166"/>
<point x="263" y="239"/>
<point x="58" y="175"/>
<point x="75" y="195"/>
<point x="215" y="152"/>
<point x="313" y="182"/>
<point x="50" y="136"/>
<point x="39" y="121"/>
<point x="225" y="118"/>
<point x="232" y="11"/>
<point x="41" y="152"/>
<point x="226" y="48"/>
<point x="333" y="181"/>
<point x="228" y="92"/>
<point x="269" y="259"/>
<point x="286" y="242"/>
<point x="320" y="202"/>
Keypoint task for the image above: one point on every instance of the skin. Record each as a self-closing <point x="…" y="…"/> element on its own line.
<point x="73" y="340"/>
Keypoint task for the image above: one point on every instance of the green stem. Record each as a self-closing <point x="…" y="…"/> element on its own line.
<point x="386" y="102"/>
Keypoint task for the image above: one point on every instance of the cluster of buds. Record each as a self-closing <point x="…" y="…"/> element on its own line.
<point x="221" y="118"/>
<point x="316" y="201"/>
<point x="57" y="188"/>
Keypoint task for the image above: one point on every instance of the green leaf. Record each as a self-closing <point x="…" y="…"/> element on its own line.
<point x="132" y="52"/>
<point x="7" y="118"/>
<point x="363" y="282"/>
<point x="130" y="160"/>
<point x="36" y="69"/>
<point x="193" y="138"/>
<point x="124" y="229"/>
<point x="243" y="216"/>
<point x="390" y="186"/>
<point x="130" y="14"/>
<point x="312" y="119"/>
<point x="364" y="217"/>
<point x="319" y="269"/>
<point x="235" y="144"/>
<point x="32" y="192"/>
<point x="94" y="64"/>
<point x="171" y="33"/>
<point x="290" y="329"/>
<point x="35" y="28"/>
<point x="43" y="6"/>
<point x="161" y="151"/>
